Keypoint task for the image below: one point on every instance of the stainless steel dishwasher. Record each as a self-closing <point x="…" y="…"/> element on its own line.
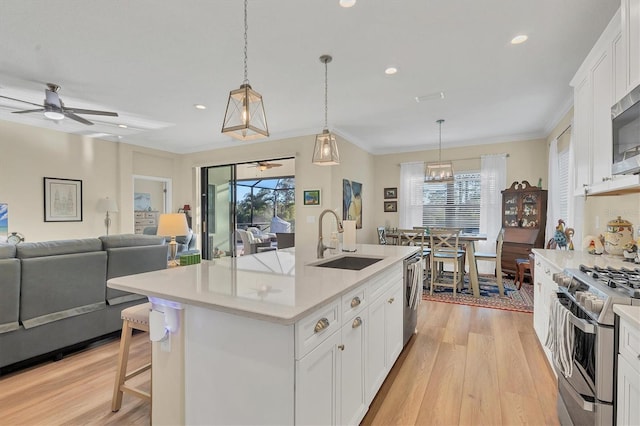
<point x="413" y="270"/>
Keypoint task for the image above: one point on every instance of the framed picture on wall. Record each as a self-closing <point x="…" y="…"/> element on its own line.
<point x="311" y="197"/>
<point x="390" y="193"/>
<point x="390" y="206"/>
<point x="62" y="200"/>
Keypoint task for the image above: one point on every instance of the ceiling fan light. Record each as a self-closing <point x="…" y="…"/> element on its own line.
<point x="325" y="151"/>
<point x="54" y="115"/>
<point x="244" y="118"/>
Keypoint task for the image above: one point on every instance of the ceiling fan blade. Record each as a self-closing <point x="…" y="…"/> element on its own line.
<point x="20" y="100"/>
<point x="77" y="118"/>
<point x="91" y="111"/>
<point x="29" y="110"/>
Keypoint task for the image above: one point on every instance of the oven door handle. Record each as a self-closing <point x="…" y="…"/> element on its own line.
<point x="583" y="403"/>
<point x="582" y="324"/>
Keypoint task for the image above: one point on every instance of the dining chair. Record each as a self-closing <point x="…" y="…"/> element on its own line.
<point x="445" y="249"/>
<point x="416" y="237"/>
<point x="382" y="235"/>
<point x="492" y="257"/>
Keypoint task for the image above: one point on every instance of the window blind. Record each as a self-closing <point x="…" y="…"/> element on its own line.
<point x="563" y="183"/>
<point x="454" y="204"/>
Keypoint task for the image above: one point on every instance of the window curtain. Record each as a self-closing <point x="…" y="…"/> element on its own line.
<point x="493" y="179"/>
<point x="553" y="203"/>
<point x="411" y="195"/>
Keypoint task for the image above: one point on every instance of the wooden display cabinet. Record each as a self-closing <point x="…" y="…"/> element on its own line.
<point x="524" y="218"/>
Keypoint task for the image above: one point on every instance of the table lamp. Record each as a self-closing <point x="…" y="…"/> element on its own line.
<point x="172" y="225"/>
<point x="106" y="205"/>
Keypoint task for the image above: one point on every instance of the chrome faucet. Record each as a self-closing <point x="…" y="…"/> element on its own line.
<point x="321" y="246"/>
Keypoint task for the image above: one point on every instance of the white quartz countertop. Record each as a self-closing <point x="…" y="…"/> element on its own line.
<point x="629" y="313"/>
<point x="573" y="259"/>
<point x="279" y="286"/>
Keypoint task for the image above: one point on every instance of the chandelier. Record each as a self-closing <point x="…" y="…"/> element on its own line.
<point x="442" y="171"/>
<point x="244" y="118"/>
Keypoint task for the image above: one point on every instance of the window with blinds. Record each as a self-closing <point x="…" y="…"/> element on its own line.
<point x="454" y="204"/>
<point x="563" y="183"/>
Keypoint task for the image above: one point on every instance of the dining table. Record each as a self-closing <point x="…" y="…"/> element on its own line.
<point x="464" y="239"/>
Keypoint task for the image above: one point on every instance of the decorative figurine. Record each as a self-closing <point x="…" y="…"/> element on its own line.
<point x="592" y="244"/>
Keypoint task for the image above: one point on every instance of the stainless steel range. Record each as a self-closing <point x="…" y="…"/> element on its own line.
<point x="586" y="396"/>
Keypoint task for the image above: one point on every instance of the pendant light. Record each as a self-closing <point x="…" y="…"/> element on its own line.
<point x="244" y="118"/>
<point x="325" y="151"/>
<point x="442" y="171"/>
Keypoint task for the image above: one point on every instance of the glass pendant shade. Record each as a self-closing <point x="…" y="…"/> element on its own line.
<point x="245" y="118"/>
<point x="442" y="171"/>
<point x="325" y="151"/>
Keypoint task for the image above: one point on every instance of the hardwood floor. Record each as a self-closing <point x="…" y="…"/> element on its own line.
<point x="466" y="366"/>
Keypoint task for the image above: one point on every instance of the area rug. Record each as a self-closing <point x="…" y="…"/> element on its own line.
<point x="513" y="300"/>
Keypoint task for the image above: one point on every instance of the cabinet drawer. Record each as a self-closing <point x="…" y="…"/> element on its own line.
<point x="378" y="284"/>
<point x="138" y="215"/>
<point x="150" y="215"/>
<point x="316" y="327"/>
<point x="630" y="344"/>
<point x="353" y="302"/>
<point x="145" y="222"/>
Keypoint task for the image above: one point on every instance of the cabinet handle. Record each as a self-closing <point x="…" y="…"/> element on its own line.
<point x="341" y="347"/>
<point x="639" y="357"/>
<point x="606" y="178"/>
<point x="391" y="300"/>
<point x="321" y="325"/>
<point x="355" y="302"/>
<point x="547" y="271"/>
<point x="356" y="322"/>
<point x="538" y="263"/>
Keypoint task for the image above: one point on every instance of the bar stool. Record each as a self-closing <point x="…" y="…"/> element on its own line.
<point x="134" y="317"/>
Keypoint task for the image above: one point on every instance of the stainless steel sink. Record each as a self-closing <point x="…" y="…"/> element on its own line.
<point x="354" y="263"/>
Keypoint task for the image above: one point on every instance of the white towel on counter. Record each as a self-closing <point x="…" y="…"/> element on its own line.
<point x="415" y="278"/>
<point x="560" y="337"/>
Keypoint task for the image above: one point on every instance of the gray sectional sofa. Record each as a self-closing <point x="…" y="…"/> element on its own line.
<point x="53" y="294"/>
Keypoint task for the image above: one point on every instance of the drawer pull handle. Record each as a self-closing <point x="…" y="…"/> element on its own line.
<point x="321" y="325"/>
<point x="638" y="357"/>
<point x="355" y="302"/>
<point x="391" y="300"/>
<point x="356" y="322"/>
<point x="341" y="347"/>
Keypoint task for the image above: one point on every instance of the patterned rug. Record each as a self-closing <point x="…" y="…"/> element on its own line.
<point x="513" y="300"/>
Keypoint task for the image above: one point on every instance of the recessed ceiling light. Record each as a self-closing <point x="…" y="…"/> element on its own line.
<point x="347" y="3"/>
<point x="519" y="39"/>
<point x="391" y="70"/>
<point x="123" y="126"/>
<point x="200" y="106"/>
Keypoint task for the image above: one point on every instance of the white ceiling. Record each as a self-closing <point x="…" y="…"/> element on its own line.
<point x="152" y="60"/>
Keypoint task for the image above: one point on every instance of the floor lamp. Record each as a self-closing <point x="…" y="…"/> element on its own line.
<point x="172" y="225"/>
<point x="107" y="205"/>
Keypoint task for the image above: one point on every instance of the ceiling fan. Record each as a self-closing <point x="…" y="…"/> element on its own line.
<point x="265" y="165"/>
<point x="54" y="108"/>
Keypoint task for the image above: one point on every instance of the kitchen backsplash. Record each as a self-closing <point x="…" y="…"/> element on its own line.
<point x="600" y="210"/>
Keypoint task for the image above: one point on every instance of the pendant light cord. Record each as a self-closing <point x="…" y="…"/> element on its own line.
<point x="246" y="29"/>
<point x="326" y="96"/>
<point x="440" y="142"/>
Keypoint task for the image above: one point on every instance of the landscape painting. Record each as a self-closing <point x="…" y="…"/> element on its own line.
<point x="4" y="222"/>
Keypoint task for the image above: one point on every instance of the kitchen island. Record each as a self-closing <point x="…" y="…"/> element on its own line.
<point x="271" y="338"/>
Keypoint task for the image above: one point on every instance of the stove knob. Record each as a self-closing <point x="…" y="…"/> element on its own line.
<point x="597" y="305"/>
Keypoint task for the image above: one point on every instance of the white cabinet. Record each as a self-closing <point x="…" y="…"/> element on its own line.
<point x="317" y="392"/>
<point x="340" y="369"/>
<point x="544" y="288"/>
<point x="594" y="86"/>
<point x="628" y="398"/>
<point x="143" y="219"/>
<point x="631" y="40"/>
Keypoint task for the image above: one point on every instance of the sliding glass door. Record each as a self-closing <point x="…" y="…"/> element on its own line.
<point x="218" y="202"/>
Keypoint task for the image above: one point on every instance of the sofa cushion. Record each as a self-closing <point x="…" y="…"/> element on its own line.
<point x="132" y="260"/>
<point x="130" y="240"/>
<point x="7" y="251"/>
<point x="54" y="248"/>
<point x="9" y="294"/>
<point x="60" y="286"/>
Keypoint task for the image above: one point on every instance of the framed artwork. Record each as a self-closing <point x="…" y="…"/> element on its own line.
<point x="390" y="206"/>
<point x="352" y="201"/>
<point x="390" y="193"/>
<point x="142" y="201"/>
<point x="311" y="197"/>
<point x="62" y="200"/>
<point x="4" y="222"/>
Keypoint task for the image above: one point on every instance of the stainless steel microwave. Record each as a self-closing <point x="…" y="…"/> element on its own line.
<point x="625" y="123"/>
